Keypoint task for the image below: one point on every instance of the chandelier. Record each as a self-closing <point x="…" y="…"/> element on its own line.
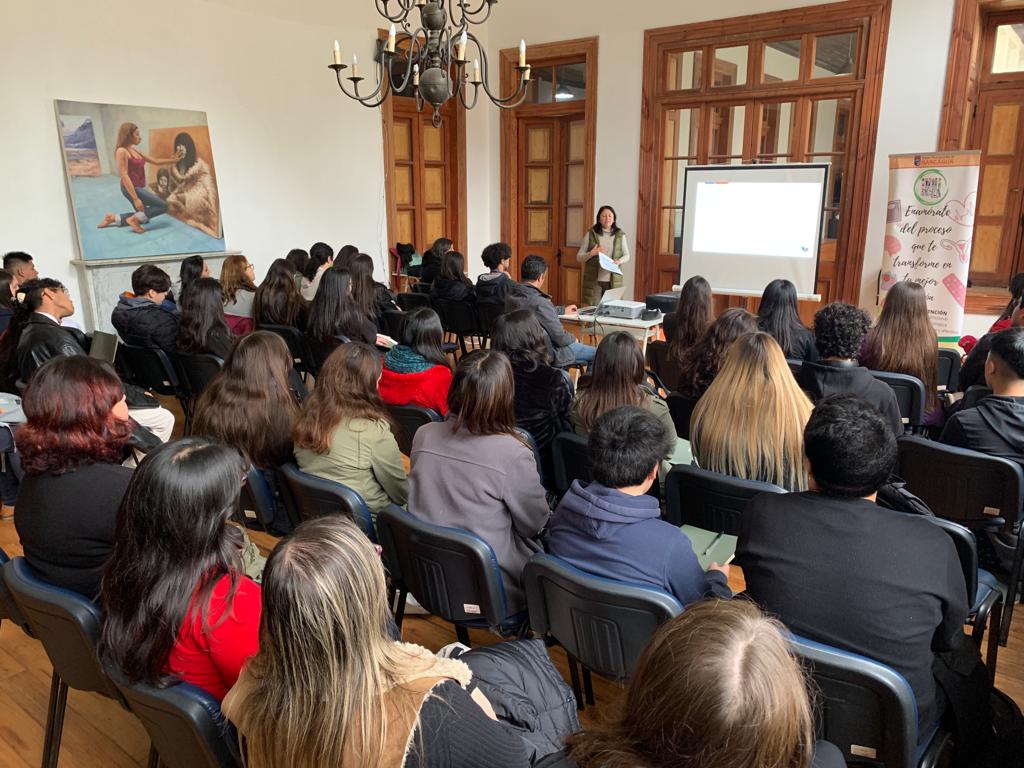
<point x="431" y="58"/>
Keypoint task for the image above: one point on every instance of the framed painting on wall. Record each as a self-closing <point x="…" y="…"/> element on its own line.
<point x="141" y="180"/>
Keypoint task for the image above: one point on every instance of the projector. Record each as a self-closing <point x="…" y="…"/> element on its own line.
<point x="628" y="310"/>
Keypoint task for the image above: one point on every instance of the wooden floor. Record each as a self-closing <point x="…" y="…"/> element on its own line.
<point x="99" y="734"/>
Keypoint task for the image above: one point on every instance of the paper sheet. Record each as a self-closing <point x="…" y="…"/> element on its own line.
<point x="606" y="263"/>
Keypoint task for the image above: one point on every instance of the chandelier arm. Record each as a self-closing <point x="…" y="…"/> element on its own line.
<point x="413" y="54"/>
<point x="401" y="15"/>
<point x="472" y="16"/>
<point x="513" y="100"/>
<point x="366" y="99"/>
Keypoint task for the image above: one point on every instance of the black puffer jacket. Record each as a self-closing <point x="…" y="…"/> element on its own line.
<point x="145" y="323"/>
<point x="42" y="339"/>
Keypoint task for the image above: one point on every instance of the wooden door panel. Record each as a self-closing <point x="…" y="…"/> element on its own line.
<point x="538" y="189"/>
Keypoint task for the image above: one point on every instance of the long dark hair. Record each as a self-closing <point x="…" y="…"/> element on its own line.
<point x="364" y="290"/>
<point x="481" y="398"/>
<point x="298" y="258"/>
<point x="778" y="314"/>
<point x="694" y="314"/>
<point x="202" y="328"/>
<point x="616" y="378"/>
<point x="422" y="333"/>
<point x="521" y="337"/>
<point x="1016" y="286"/>
<point x="191" y="270"/>
<point x="171" y="543"/>
<point x="6" y="298"/>
<point x="598" y="229"/>
<point x="333" y="311"/>
<point x="453" y="267"/>
<point x="343" y="259"/>
<point x="278" y="300"/>
<point x="701" y="362"/>
<point x="190" y="157"/>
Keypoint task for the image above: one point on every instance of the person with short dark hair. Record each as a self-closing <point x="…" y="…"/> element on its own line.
<point x="20" y="264"/>
<point x="493" y="286"/>
<point x="141" y="318"/>
<point x="836" y="567"/>
<point x="611" y="527"/>
<point x="839" y="331"/>
<point x="527" y="294"/>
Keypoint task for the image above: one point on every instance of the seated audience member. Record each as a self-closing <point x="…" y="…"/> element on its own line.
<point x="477" y="472"/>
<point x="192" y="268"/>
<point x="71" y="448"/>
<point x="41" y="337"/>
<point x="143" y="319"/>
<point x="750" y="423"/>
<point x="358" y="698"/>
<point x="344" y="431"/>
<point x="416" y="371"/>
<point x="837" y="568"/>
<point x="973" y="369"/>
<point x="839" y="331"/>
<point x="372" y="298"/>
<point x="996" y="424"/>
<point x="493" y="286"/>
<point x="7" y="284"/>
<point x="778" y="315"/>
<point x="694" y="314"/>
<point x="236" y="279"/>
<point x="616" y="378"/>
<point x="612" y="527"/>
<point x="321" y="258"/>
<point x="202" y="329"/>
<point x="278" y="300"/>
<point x="715" y="686"/>
<point x="334" y="313"/>
<point x="543" y="395"/>
<point x="1016" y="289"/>
<point x="433" y="259"/>
<point x="21" y="265"/>
<point x="701" y="361"/>
<point x="452" y="284"/>
<point x="176" y="604"/>
<point x="528" y="295"/>
<point x="298" y="258"/>
<point x="904" y="341"/>
<point x="343" y="258"/>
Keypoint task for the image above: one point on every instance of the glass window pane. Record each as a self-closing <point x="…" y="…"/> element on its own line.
<point x="571" y="81"/>
<point x="727" y="130"/>
<point x="1009" y="54"/>
<point x="673" y="173"/>
<point x="830" y="125"/>
<point x="541" y="87"/>
<point x="730" y="66"/>
<point x="670" y="230"/>
<point x="835" y="55"/>
<point x="681" y="127"/>
<point x="781" y="61"/>
<point x="683" y="70"/>
<point x="776" y="127"/>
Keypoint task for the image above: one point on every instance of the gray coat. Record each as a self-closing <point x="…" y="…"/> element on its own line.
<point x="485" y="484"/>
<point x="524" y="296"/>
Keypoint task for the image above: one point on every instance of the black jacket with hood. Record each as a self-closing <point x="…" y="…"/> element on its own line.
<point x="841" y="377"/>
<point x="145" y="323"/>
<point x="994" y="426"/>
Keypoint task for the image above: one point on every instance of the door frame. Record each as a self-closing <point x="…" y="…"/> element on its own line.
<point x="544" y="54"/>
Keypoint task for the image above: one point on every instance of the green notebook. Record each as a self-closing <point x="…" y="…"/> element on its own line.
<point x="710" y="547"/>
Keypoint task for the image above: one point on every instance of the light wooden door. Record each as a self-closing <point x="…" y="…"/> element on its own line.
<point x="999" y="132"/>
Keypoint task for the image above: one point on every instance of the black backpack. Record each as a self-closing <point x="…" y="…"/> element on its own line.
<point x="894" y="495"/>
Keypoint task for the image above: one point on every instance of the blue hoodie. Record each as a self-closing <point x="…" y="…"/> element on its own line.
<point x="612" y="534"/>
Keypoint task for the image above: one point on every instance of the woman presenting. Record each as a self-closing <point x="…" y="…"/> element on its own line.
<point x="131" y="168"/>
<point x="604" y="237"/>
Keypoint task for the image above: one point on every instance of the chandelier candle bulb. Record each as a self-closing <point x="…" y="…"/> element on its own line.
<point x="522" y="53"/>
<point x="415" y="74"/>
<point x="337" y="52"/>
<point x="460" y="48"/>
<point x="526" y="73"/>
<point x="390" y="47"/>
<point x="355" y="66"/>
<point x="476" y="71"/>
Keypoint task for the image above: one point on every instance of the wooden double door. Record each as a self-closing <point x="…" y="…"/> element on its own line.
<point x="551" y="168"/>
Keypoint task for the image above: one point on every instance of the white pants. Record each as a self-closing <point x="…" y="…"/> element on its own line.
<point x="159" y="421"/>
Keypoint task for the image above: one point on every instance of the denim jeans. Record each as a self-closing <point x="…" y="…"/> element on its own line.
<point x="152" y="205"/>
<point x="583" y="352"/>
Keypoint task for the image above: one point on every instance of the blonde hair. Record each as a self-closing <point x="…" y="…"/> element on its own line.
<point x="717" y="686"/>
<point x="750" y="422"/>
<point x="325" y="657"/>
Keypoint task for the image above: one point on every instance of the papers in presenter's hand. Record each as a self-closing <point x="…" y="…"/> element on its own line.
<point x="606" y="263"/>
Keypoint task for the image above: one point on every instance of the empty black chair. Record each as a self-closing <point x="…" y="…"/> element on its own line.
<point x="151" y="368"/>
<point x="981" y="492"/>
<point x="459" y="318"/>
<point x="257" y="496"/>
<point x="8" y="608"/>
<point x="308" y="496"/>
<point x="394" y="323"/>
<point x="948" y="373"/>
<point x="663" y="364"/>
<point x="681" y="407"/>
<point x="407" y="419"/>
<point x="868" y="709"/>
<point x="709" y="500"/>
<point x="296" y="342"/>
<point x="410" y="301"/>
<point x="197" y="371"/>
<point x="184" y="723"/>
<point x="910" y="395"/>
<point x="68" y="626"/>
<point x="602" y="623"/>
<point x="452" y="573"/>
<point x="488" y="313"/>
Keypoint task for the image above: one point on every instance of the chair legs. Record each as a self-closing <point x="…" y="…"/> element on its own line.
<point x="399" y="608"/>
<point x="994" y="633"/>
<point x="154" y="758"/>
<point x="462" y="634"/>
<point x="1012" y="593"/>
<point x="588" y="686"/>
<point x="54" y="721"/>
<point x="574" y="678"/>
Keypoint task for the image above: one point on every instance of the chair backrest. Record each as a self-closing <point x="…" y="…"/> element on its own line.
<point x="308" y="496"/>
<point x="603" y="623"/>
<point x="709" y="500"/>
<point x="67" y="624"/>
<point x="8" y="607"/>
<point x="318" y="351"/>
<point x="294" y="339"/>
<point x="974" y="394"/>
<point x="867" y="709"/>
<point x="149" y="367"/>
<point x="948" y="373"/>
<point x="794" y="367"/>
<point x="394" y="322"/>
<point x="457" y="317"/>
<point x="184" y="723"/>
<point x="668" y="325"/>
<point x="196" y="370"/>
<point x="909" y="391"/>
<point x="451" y="572"/>
<point x="406" y="420"/>
<point x="681" y="407"/>
<point x="962" y="485"/>
<point x="258" y="496"/>
<point x="488" y="313"/>
<point x="663" y="364"/>
<point x="570" y="459"/>
<point x="966" y="551"/>
<point x="410" y="301"/>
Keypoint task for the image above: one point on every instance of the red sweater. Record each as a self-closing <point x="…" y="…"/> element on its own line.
<point x="428" y="389"/>
<point x="213" y="658"/>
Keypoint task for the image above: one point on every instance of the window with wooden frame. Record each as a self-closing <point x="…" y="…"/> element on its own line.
<point x="793" y="86"/>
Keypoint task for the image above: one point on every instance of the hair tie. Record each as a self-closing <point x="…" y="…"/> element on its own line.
<point x="20" y="296"/>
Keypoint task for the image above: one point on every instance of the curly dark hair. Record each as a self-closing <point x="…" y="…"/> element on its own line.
<point x="839" y="330"/>
<point x="701" y="362"/>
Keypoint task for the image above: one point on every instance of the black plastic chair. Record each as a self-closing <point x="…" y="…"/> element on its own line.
<point x="407" y="419"/>
<point x="68" y="626"/>
<point x="307" y="496"/>
<point x="948" y="373"/>
<point x="681" y="407"/>
<point x="981" y="492"/>
<point x="296" y="342"/>
<point x="794" y="367"/>
<point x="709" y="500"/>
<point x="256" y="496"/>
<point x="452" y="573"/>
<point x="662" y="364"/>
<point x="602" y="623"/>
<point x="459" y="318"/>
<point x="668" y="326"/>
<point x="318" y="351"/>
<point x="8" y="607"/>
<point x="394" y="323"/>
<point x="910" y="395"/>
<point x="488" y="313"/>
<point x="151" y="368"/>
<point x="974" y="394"/>
<point x="411" y="301"/>
<point x="868" y="709"/>
<point x="571" y="462"/>
<point x="196" y="371"/>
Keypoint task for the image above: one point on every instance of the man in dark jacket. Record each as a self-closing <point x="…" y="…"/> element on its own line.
<point x="144" y="319"/>
<point x="839" y="331"/>
<point x="613" y="528"/>
<point x="528" y="295"/>
<point x="493" y="286"/>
